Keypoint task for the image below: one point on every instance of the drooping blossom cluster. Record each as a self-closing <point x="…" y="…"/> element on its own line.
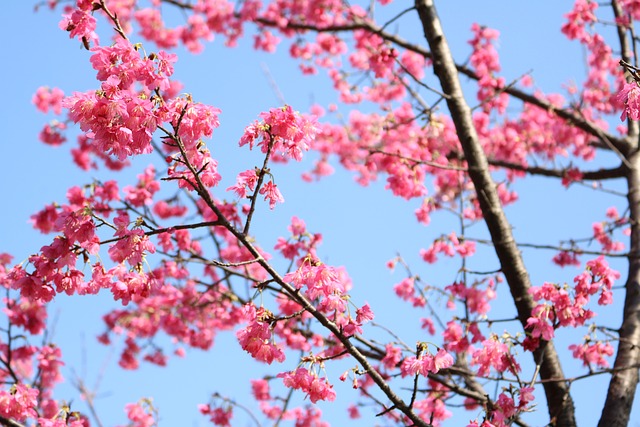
<point x="328" y="287"/>
<point x="566" y="306"/>
<point x="282" y="130"/>
<point x="80" y="22"/>
<point x="301" y="243"/>
<point x="141" y="414"/>
<point x="503" y="411"/>
<point x="485" y="62"/>
<point x="142" y="193"/>
<point x="599" y="87"/>
<point x="448" y="245"/>
<point x="494" y="354"/>
<point x="256" y="337"/>
<point x="220" y="416"/>
<point x="426" y="363"/>
<point x="592" y="353"/>
<point x="46" y="99"/>
<point x="119" y="119"/>
<point x="628" y="99"/>
<point x="309" y="383"/>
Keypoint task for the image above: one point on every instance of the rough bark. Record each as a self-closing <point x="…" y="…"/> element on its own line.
<point x="560" y="405"/>
<point x="624" y="381"/>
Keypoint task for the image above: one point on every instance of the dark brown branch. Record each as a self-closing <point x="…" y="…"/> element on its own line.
<point x="8" y="422"/>
<point x="560" y="404"/>
<point x="169" y="229"/>
<point x="565" y="114"/>
<point x="293" y="293"/>
<point x="360" y="24"/>
<point x="622" y="388"/>
<point x="575" y="250"/>
<point x="596" y="175"/>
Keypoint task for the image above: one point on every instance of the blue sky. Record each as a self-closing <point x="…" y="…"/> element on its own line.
<point x="362" y="227"/>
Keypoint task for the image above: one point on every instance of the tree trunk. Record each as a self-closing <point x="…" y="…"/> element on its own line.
<point x="560" y="404"/>
<point x="624" y="381"/>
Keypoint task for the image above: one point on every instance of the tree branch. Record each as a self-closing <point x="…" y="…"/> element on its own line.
<point x="623" y="384"/>
<point x="8" y="422"/>
<point x="560" y="404"/>
<point x="596" y="175"/>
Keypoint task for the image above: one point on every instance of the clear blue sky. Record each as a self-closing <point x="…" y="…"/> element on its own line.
<point x="363" y="227"/>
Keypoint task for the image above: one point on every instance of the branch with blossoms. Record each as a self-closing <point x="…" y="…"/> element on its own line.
<point x="361" y="23"/>
<point x="192" y="294"/>
<point x="194" y="170"/>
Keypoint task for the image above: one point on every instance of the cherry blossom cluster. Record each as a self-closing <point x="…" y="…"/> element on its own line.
<point x="309" y="383"/>
<point x="486" y="64"/>
<point x="598" y="89"/>
<point x="30" y="371"/>
<point x="629" y="101"/>
<point x="426" y="363"/>
<point x="505" y="408"/>
<point x="80" y="22"/>
<point x="120" y="120"/>
<point x="141" y="414"/>
<point x="566" y="306"/>
<point x="450" y="246"/>
<point x="300" y="244"/>
<point x="282" y="130"/>
<point x="218" y="416"/>
<point x="328" y="287"/>
<point x="256" y="337"/>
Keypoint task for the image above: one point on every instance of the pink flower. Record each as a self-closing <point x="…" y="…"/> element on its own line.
<point x="19" y="403"/>
<point x="289" y="132"/>
<point x="218" y="416"/>
<point x="364" y="314"/>
<point x="570" y="176"/>
<point x="266" y="41"/>
<point x="142" y="193"/>
<point x="260" y="389"/>
<point x="577" y="20"/>
<point x="51" y="135"/>
<point x="256" y="337"/>
<point x="46" y="98"/>
<point x="628" y="99"/>
<point x="392" y="357"/>
<point x="314" y="387"/>
<point x="592" y="353"/>
<point x="494" y="354"/>
<point x="81" y="24"/>
<point x="442" y="360"/>
<point x="245" y="180"/>
<point x="139" y="416"/>
<point x="564" y="258"/>
<point x="539" y="324"/>
<point x="272" y="194"/>
<point x="132" y="245"/>
<point x="455" y="340"/>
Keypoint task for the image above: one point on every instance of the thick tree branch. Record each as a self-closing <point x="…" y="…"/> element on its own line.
<point x="596" y="175"/>
<point x="622" y="388"/>
<point x="8" y="422"/>
<point x="560" y="404"/>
